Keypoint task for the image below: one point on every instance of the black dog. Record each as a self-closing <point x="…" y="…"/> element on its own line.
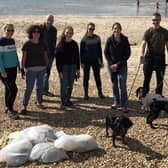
<point x="155" y="108"/>
<point x="119" y="126"/>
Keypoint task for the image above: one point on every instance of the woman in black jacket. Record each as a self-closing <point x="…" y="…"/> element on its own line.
<point x="68" y="64"/>
<point x="91" y="57"/>
<point x="117" y="51"/>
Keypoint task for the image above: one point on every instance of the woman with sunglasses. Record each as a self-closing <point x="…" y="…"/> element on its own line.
<point x="8" y="69"/>
<point x="34" y="63"/>
<point x="91" y="57"/>
<point x="117" y="51"/>
<point x="68" y="65"/>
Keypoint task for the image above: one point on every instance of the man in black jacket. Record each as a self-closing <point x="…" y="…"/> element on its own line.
<point x="49" y="35"/>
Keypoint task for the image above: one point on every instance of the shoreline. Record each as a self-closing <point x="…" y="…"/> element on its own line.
<point x="69" y="15"/>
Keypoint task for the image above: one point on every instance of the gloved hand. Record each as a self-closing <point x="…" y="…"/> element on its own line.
<point x="22" y="73"/>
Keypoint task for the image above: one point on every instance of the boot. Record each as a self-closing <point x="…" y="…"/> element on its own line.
<point x="86" y="97"/>
<point x="100" y="93"/>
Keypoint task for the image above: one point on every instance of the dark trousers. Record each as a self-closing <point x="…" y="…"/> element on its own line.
<point x="47" y="74"/>
<point x="160" y="71"/>
<point x="10" y="87"/>
<point x="67" y="82"/>
<point x="96" y="72"/>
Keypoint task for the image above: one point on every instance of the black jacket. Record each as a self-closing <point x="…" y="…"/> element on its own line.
<point x="49" y="36"/>
<point x="67" y="55"/>
<point x="117" y="52"/>
<point x="90" y="50"/>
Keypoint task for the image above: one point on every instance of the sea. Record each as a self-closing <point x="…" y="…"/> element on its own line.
<point x="82" y="7"/>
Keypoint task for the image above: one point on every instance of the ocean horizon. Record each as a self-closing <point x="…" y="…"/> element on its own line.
<point x="82" y="7"/>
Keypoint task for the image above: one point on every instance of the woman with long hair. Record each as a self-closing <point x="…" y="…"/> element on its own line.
<point x="68" y="65"/>
<point x="117" y="51"/>
<point x="91" y="57"/>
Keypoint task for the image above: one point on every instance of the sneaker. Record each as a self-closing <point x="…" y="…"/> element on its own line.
<point x="13" y="114"/>
<point x="6" y="109"/>
<point x="101" y="96"/>
<point x="40" y="106"/>
<point x="36" y="102"/>
<point x="125" y="109"/>
<point x="69" y="103"/>
<point x="86" y="97"/>
<point x="23" y="112"/>
<point x="47" y="93"/>
<point x="62" y="107"/>
<point x="115" y="106"/>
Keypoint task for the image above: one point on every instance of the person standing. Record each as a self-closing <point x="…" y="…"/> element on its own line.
<point x="91" y="57"/>
<point x="9" y="63"/>
<point x="68" y="64"/>
<point x="153" y="54"/>
<point x="117" y="51"/>
<point x="138" y="3"/>
<point x="49" y="36"/>
<point x="157" y="6"/>
<point x="34" y="63"/>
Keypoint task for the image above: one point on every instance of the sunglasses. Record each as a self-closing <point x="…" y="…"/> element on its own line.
<point x="10" y="30"/>
<point x="92" y="29"/>
<point x="155" y="20"/>
<point x="36" y="31"/>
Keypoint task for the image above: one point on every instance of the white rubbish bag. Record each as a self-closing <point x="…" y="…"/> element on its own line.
<point x="47" y="153"/>
<point x="16" y="153"/>
<point x="14" y="136"/>
<point x="36" y="134"/>
<point x="58" y="134"/>
<point x="76" y="143"/>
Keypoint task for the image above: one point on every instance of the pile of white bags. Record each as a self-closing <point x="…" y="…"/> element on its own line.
<point x="41" y="144"/>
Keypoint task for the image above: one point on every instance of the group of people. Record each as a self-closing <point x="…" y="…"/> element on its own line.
<point x="37" y="56"/>
<point x="40" y="49"/>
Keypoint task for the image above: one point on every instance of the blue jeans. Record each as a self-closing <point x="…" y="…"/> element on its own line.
<point x="47" y="75"/>
<point x="66" y="83"/>
<point x="119" y="85"/>
<point x="31" y="78"/>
